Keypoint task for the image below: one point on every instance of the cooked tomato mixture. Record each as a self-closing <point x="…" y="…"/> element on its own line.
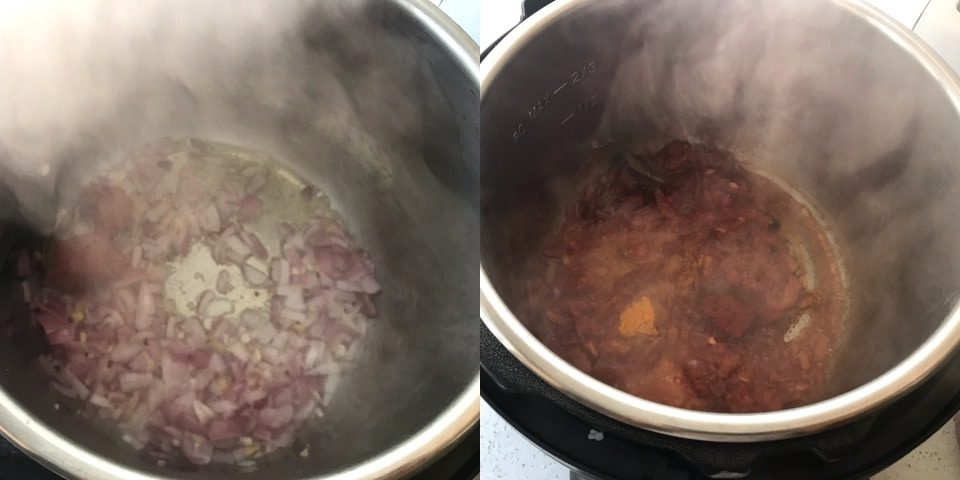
<point x="710" y="289"/>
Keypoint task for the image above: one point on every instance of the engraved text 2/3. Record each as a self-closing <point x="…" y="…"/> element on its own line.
<point x="546" y="99"/>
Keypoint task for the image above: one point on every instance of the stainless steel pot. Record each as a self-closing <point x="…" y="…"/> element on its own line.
<point x="833" y="97"/>
<point x="373" y="102"/>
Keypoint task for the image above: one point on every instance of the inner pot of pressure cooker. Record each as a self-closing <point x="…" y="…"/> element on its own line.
<point x="243" y="244"/>
<point x="726" y="206"/>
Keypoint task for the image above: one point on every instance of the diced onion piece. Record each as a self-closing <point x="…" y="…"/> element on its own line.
<point x="252" y="318"/>
<point x="217" y="364"/>
<point x="256" y="246"/>
<point x="255" y="276"/>
<point x="175" y="374"/>
<point x="99" y="401"/>
<point x="196" y="448"/>
<point x="293" y="297"/>
<point x="224" y="285"/>
<point x="145" y="308"/>
<point x="209" y="219"/>
<point x="203" y="300"/>
<point x="203" y="412"/>
<point x="224" y="407"/>
<point x="73" y="382"/>
<point x="218" y="307"/>
<point x="236" y="244"/>
<point x="125" y="352"/>
<point x="157" y="212"/>
<point x="276" y="417"/>
<point x="284" y="272"/>
<point x="239" y="351"/>
<point x="135" y="381"/>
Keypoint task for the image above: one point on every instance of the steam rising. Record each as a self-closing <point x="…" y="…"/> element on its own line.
<point x="825" y="101"/>
<point x="100" y="77"/>
<point x="764" y="74"/>
<point x="364" y="99"/>
<point x="816" y="93"/>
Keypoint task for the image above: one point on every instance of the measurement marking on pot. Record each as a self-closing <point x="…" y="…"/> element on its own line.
<point x="544" y="102"/>
<point x="590" y="103"/>
<point x="578" y="76"/>
<point x="539" y="107"/>
<point x="519" y="132"/>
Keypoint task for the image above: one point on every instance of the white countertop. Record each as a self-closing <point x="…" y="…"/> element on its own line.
<point x="466" y="13"/>
<point x="506" y="454"/>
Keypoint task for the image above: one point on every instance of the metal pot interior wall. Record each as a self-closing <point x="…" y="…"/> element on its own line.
<point x="814" y="94"/>
<point x="364" y="100"/>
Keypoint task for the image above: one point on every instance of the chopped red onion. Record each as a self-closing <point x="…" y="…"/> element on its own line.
<point x="204" y="299"/>
<point x="224" y="286"/>
<point x="223" y="430"/>
<point x="73" y="382"/>
<point x="254" y="396"/>
<point x="51" y="321"/>
<point x="203" y="412"/>
<point x="217" y="364"/>
<point x="293" y="297"/>
<point x="99" y="401"/>
<point x="135" y="381"/>
<point x="126" y="299"/>
<point x="142" y="363"/>
<point x="225" y="407"/>
<point x="256" y="245"/>
<point x="157" y="212"/>
<point x="239" y="351"/>
<point x="125" y="352"/>
<point x="221" y="328"/>
<point x="314" y="353"/>
<point x="236" y="244"/>
<point x="276" y="417"/>
<point x="145" y="309"/>
<point x="196" y="448"/>
<point x="209" y="219"/>
<point x="218" y="307"/>
<point x="175" y="374"/>
<point x="214" y="383"/>
<point x="171" y="326"/>
<point x="235" y="257"/>
<point x="254" y="275"/>
<point x="252" y="318"/>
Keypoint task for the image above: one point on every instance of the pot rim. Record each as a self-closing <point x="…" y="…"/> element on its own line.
<point x="710" y="426"/>
<point x="69" y="459"/>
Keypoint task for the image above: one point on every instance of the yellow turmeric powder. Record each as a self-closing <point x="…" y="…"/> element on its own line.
<point x="638" y="318"/>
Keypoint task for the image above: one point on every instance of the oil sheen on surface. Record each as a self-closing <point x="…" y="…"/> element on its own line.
<point x="714" y="290"/>
<point x="203" y="301"/>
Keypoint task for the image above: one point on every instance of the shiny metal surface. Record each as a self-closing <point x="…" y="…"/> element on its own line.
<point x="372" y="102"/>
<point x="843" y="103"/>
